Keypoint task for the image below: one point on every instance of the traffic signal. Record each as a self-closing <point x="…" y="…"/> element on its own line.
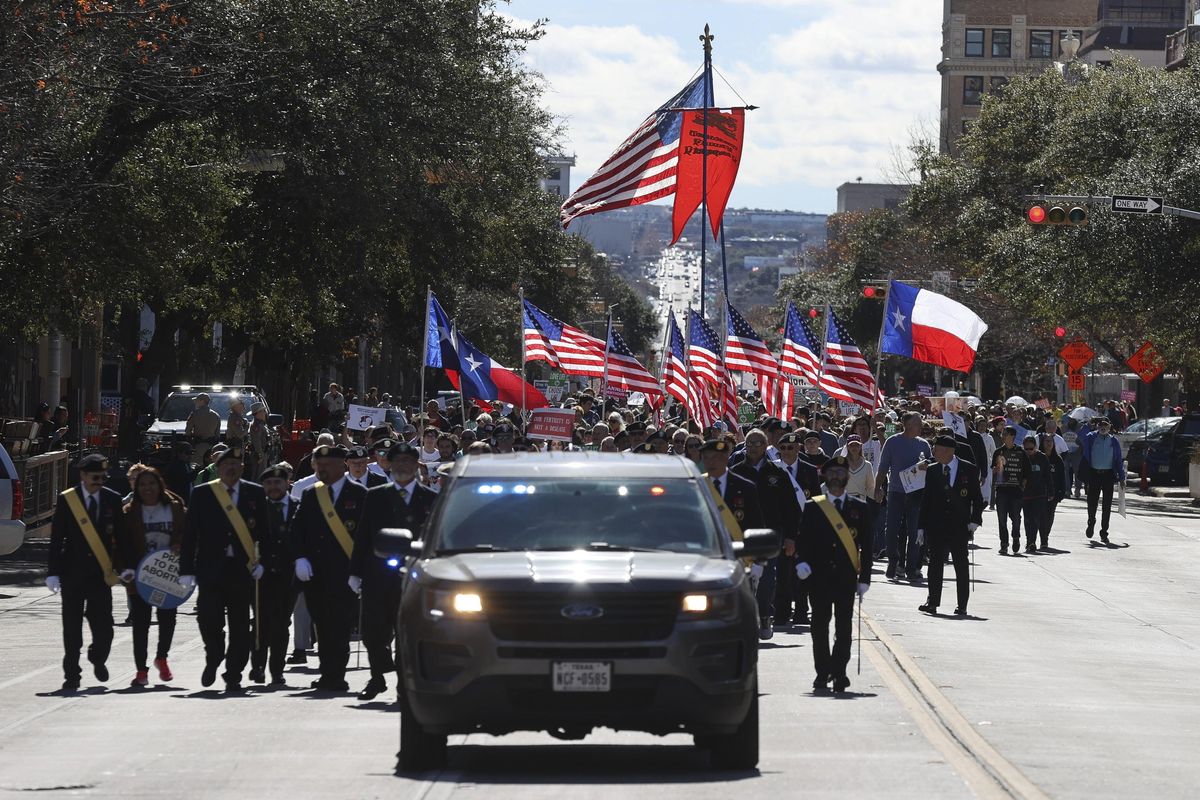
<point x="875" y="291"/>
<point x="1060" y="331"/>
<point x="1075" y="216"/>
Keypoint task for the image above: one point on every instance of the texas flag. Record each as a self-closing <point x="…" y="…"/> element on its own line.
<point x="930" y="327"/>
<point x="475" y="374"/>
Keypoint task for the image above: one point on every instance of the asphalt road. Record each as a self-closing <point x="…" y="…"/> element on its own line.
<point x="1074" y="677"/>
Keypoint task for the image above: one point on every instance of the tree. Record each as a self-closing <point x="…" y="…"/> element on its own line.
<point x="1119" y="280"/>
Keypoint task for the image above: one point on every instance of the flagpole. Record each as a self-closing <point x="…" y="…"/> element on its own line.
<point x="824" y="347"/>
<point x="521" y="341"/>
<point x="706" y="38"/>
<point x="604" y="379"/>
<point x="462" y="399"/>
<point x="662" y="362"/>
<point x="424" y="357"/>
<point x="882" y="326"/>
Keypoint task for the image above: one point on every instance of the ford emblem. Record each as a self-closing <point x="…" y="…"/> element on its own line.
<point x="582" y="611"/>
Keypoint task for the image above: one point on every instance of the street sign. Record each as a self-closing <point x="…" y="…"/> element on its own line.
<point x="1075" y="381"/>
<point x="1127" y="204"/>
<point x="1146" y="362"/>
<point x="1077" y="353"/>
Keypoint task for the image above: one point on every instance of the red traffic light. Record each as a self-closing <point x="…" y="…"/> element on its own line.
<point x="1060" y="331"/>
<point x="1036" y="215"/>
<point x="812" y="313"/>
<point x="868" y="291"/>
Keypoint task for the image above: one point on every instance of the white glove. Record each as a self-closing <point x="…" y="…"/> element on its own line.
<point x="127" y="575"/>
<point x="257" y="572"/>
<point x="803" y="570"/>
<point x="355" y="583"/>
<point x="972" y="527"/>
<point x="756" y="571"/>
<point x="53" y="583"/>
<point x="303" y="569"/>
<point x="862" y="588"/>
<point x="920" y="536"/>
<point x="187" y="581"/>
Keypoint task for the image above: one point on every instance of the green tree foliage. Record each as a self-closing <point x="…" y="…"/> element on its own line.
<point x="1122" y="130"/>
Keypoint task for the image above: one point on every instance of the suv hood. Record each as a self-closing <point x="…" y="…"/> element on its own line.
<point x="581" y="567"/>
<point x="167" y="428"/>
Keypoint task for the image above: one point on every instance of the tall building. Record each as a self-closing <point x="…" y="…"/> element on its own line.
<point x="986" y="42"/>
<point x="1179" y="41"/>
<point x="1137" y="28"/>
<point x="557" y="178"/>
<point x="859" y="196"/>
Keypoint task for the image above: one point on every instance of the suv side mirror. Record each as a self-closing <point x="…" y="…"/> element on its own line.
<point x="274" y="420"/>
<point x="757" y="543"/>
<point x="396" y="543"/>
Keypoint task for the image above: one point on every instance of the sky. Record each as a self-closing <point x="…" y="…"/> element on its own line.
<point x="842" y="85"/>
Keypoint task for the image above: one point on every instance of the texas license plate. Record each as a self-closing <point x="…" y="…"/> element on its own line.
<point x="581" y="676"/>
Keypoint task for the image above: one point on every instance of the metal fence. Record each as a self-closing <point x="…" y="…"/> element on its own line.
<point x="42" y="478"/>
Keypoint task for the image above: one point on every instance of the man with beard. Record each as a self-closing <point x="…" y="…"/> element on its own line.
<point x="402" y="503"/>
<point x="834" y="552"/>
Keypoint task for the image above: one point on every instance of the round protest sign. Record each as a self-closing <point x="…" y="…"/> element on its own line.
<point x="157" y="580"/>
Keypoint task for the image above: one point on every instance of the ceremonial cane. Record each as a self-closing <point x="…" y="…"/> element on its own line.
<point x="257" y="613"/>
<point x="358" y="647"/>
<point x="860" y="634"/>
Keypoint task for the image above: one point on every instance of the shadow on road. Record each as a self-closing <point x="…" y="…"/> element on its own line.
<point x="27" y="566"/>
<point x="583" y="763"/>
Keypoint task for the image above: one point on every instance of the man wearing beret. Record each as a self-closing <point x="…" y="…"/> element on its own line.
<point x="224" y="551"/>
<point x="834" y="552"/>
<point x="402" y="503"/>
<point x="780" y="509"/>
<point x="325" y="525"/>
<point x="951" y="510"/>
<point x="741" y="497"/>
<point x="88" y="549"/>
<point x="277" y="592"/>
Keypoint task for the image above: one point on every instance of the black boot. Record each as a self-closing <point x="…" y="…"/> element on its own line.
<point x="375" y="687"/>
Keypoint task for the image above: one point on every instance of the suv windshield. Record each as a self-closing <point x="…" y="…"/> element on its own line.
<point x="179" y="406"/>
<point x="576" y="514"/>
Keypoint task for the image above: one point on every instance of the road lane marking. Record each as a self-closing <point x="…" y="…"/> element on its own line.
<point x="986" y="771"/>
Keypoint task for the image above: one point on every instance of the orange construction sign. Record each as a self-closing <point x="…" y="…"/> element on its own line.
<point x="1146" y="362"/>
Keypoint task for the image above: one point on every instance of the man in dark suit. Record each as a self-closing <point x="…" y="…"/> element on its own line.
<point x="323" y="548"/>
<point x="836" y="565"/>
<point x="357" y="462"/>
<point x="402" y="503"/>
<point x="805" y="478"/>
<point x="214" y="556"/>
<point x="741" y="497"/>
<point x="277" y="588"/>
<point x="780" y="510"/>
<point x="76" y="569"/>
<point x="951" y="510"/>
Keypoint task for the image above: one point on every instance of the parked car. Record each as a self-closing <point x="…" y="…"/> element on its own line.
<point x="12" y="506"/>
<point x="562" y="592"/>
<point x="1138" y="430"/>
<point x="1167" y="457"/>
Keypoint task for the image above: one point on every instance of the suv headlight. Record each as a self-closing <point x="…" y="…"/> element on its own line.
<point x="443" y="603"/>
<point x="708" y="605"/>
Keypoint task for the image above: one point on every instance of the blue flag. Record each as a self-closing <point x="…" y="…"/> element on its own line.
<point x="439" y="351"/>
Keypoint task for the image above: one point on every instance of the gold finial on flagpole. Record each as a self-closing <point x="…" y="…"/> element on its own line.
<point x="707" y="39"/>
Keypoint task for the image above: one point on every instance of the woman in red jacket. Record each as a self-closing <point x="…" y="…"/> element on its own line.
<point x="154" y="518"/>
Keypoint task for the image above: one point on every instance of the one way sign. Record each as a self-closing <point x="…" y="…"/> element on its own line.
<point x="1125" y="204"/>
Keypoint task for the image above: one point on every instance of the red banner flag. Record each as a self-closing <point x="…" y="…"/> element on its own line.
<point x="725" y="129"/>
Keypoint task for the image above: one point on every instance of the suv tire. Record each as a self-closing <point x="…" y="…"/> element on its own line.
<point x="419" y="751"/>
<point x="737" y="751"/>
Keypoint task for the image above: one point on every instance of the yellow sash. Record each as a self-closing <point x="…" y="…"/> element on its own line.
<point x="91" y="535"/>
<point x="325" y="500"/>
<point x="843" y="530"/>
<point x="235" y="519"/>
<point x="735" y="528"/>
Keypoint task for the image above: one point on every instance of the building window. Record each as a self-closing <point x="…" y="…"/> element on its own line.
<point x="972" y="90"/>
<point x="1001" y="44"/>
<point x="974" y="43"/>
<point x="1041" y="44"/>
<point x="554" y="174"/>
<point x="997" y="85"/>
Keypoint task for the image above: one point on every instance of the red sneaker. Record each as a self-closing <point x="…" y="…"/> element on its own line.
<point x="164" y="671"/>
<point x="142" y="678"/>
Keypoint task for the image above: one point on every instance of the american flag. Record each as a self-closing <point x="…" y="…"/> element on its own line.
<point x="643" y="168"/>
<point x="537" y="346"/>
<point x="845" y="374"/>
<point x="624" y="371"/>
<point x="801" y="350"/>
<point x="730" y="403"/>
<point x="777" y="394"/>
<point x="745" y="350"/>
<point x="577" y="352"/>
<point x="704" y="350"/>
<point x="675" y="377"/>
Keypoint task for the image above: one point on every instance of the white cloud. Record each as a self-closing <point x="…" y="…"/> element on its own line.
<point x="837" y="95"/>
